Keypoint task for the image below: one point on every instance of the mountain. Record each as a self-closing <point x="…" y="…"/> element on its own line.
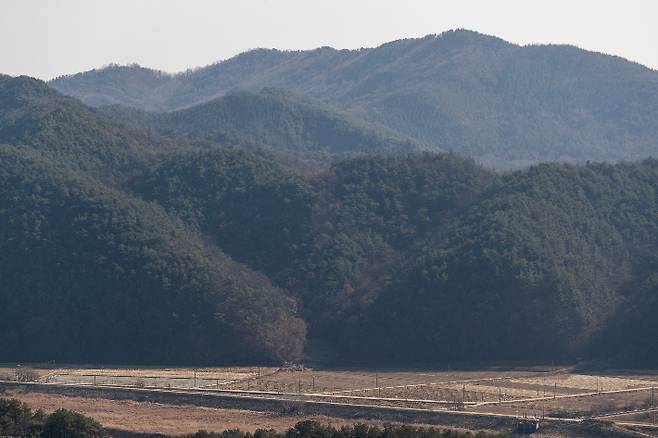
<point x="430" y="256"/>
<point x="274" y="118"/>
<point x="117" y="249"/>
<point x="505" y="105"/>
<point x="536" y="267"/>
<point x="91" y="273"/>
<point x="37" y="117"/>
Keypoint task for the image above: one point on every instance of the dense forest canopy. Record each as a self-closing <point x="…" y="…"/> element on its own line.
<point x="107" y="277"/>
<point x="123" y="244"/>
<point x="275" y="118"/>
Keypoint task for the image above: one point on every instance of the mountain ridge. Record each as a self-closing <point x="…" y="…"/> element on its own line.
<point x="503" y="104"/>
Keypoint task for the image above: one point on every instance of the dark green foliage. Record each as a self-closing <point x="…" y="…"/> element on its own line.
<point x="533" y="270"/>
<point x="396" y="257"/>
<point x="429" y="256"/>
<point x="400" y="198"/>
<point x="313" y="429"/>
<point x="34" y="115"/>
<point x="373" y="209"/>
<point x="637" y="319"/>
<point x="480" y="96"/>
<point x="17" y="419"/>
<point x="271" y="117"/>
<point x="91" y="274"/>
<point x="68" y="424"/>
<point x="253" y="209"/>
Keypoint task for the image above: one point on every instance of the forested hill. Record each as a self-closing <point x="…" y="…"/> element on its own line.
<point x="275" y="118"/>
<point x="35" y="116"/>
<point x="431" y="257"/>
<point x="477" y="95"/>
<point x="91" y="274"/>
<point x="215" y="254"/>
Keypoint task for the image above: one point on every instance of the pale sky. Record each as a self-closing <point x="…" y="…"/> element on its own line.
<point x="47" y="38"/>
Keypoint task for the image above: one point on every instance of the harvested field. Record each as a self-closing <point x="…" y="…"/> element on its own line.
<point x="505" y="392"/>
<point x="156" y="377"/>
<point x="157" y="418"/>
<point x="578" y="407"/>
<point x="648" y="417"/>
<point x="594" y="383"/>
<point x="370" y="382"/>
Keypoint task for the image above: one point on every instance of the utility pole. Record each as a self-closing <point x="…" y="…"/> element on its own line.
<point x="652" y="397"/>
<point x="652" y="404"/>
<point x="195" y="378"/>
<point x="313" y="383"/>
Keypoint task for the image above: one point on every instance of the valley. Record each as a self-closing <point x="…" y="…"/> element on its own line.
<point x="442" y="236"/>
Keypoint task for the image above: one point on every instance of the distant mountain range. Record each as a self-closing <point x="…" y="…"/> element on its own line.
<point x="477" y="95"/>
<point x="242" y="222"/>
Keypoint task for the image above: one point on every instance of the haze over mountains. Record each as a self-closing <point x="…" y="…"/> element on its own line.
<point x="180" y="223"/>
<point x="477" y="95"/>
<point x="284" y="121"/>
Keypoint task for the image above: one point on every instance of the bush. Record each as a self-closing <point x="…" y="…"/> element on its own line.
<point x="68" y="424"/>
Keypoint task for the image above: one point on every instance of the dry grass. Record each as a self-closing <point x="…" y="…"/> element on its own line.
<point x="147" y="417"/>
<point x="188" y="373"/>
<point x="492" y="385"/>
<point x="591" y="383"/>
<point x="165" y="419"/>
<point x="357" y="382"/>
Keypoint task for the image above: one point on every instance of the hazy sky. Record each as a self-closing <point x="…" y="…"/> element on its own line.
<point x="46" y="38"/>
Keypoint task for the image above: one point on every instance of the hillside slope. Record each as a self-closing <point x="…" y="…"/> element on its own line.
<point x="480" y="96"/>
<point x="275" y="118"/>
<point x="429" y="256"/>
<point x="34" y="115"/>
<point x="397" y="256"/>
<point x="93" y="275"/>
<point x="535" y="268"/>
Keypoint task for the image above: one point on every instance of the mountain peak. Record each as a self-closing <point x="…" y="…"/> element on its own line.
<point x="23" y="87"/>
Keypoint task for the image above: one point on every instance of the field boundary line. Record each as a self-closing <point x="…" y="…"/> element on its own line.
<point x="564" y="396"/>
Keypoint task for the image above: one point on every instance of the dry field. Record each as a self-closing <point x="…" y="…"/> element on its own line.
<point x="169" y="420"/>
<point x="535" y="391"/>
<point x="157" y="377"/>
